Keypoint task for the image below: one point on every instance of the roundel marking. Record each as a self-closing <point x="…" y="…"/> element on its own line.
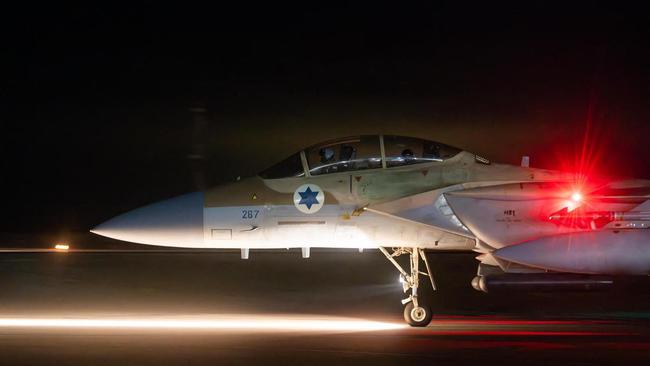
<point x="308" y="198"/>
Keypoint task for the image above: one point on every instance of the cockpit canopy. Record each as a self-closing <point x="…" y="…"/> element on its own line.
<point x="360" y="153"/>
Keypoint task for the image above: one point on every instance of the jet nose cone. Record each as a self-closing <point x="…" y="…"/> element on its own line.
<point x="177" y="221"/>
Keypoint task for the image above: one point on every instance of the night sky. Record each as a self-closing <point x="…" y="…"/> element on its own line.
<point x="96" y="100"/>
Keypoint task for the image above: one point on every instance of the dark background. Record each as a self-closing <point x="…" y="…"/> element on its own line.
<point x="95" y="99"/>
<point x="95" y="120"/>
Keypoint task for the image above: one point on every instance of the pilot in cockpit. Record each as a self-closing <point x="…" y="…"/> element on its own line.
<point x="407" y="156"/>
<point x="326" y="155"/>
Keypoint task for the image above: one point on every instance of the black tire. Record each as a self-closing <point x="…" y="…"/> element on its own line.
<point x="420" y="317"/>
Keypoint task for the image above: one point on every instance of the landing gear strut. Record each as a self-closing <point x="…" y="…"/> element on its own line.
<point x="417" y="312"/>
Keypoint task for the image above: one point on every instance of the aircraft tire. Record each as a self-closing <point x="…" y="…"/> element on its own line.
<point x="417" y="317"/>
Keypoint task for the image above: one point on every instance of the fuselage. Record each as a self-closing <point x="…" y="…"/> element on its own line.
<point x="263" y="213"/>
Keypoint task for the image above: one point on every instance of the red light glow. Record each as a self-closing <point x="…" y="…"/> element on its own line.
<point x="576" y="197"/>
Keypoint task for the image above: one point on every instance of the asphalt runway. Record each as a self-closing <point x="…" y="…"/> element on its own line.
<point x="338" y="307"/>
<point x="462" y="340"/>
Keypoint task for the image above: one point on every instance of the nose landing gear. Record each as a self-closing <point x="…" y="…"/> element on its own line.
<point x="417" y="313"/>
<point x="417" y="316"/>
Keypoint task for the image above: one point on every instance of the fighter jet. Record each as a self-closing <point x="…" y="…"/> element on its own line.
<point x="531" y="228"/>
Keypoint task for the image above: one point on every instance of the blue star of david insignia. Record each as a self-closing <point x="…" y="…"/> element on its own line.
<point x="308" y="198"/>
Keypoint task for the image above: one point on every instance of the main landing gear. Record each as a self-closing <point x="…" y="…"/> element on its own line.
<point x="417" y="312"/>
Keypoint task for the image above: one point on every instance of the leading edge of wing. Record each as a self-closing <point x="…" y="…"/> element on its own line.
<point x="428" y="208"/>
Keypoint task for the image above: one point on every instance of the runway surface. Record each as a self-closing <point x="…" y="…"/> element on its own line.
<point x="336" y="308"/>
<point x="458" y="340"/>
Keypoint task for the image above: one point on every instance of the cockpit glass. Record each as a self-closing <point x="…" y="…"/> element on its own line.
<point x="355" y="153"/>
<point x="289" y="167"/>
<point x="408" y="150"/>
<point x="360" y="153"/>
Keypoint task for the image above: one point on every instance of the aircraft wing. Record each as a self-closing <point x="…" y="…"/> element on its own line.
<point x="431" y="209"/>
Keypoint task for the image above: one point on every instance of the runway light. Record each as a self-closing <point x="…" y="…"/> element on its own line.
<point x="61" y="246"/>
<point x="231" y="323"/>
